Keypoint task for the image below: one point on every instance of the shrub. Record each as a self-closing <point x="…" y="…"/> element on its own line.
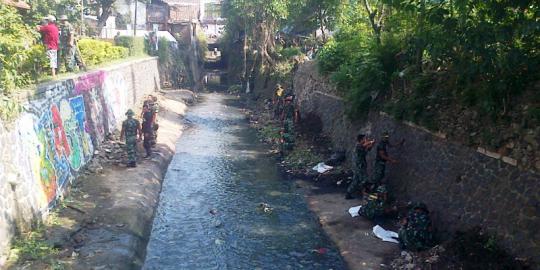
<point x="202" y="45"/>
<point x="282" y="71"/>
<point x="20" y="61"/>
<point x="135" y="45"/>
<point x="95" y="52"/>
<point x="289" y="53"/>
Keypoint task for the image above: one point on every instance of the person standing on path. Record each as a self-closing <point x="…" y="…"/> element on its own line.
<point x="363" y="146"/>
<point x="278" y="101"/>
<point x="50" y="35"/>
<point x="379" y="167"/>
<point x="148" y="129"/>
<point x="131" y="131"/>
<point x="153" y="107"/>
<point x="68" y="56"/>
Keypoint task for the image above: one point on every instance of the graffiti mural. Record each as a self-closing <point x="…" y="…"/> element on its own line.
<point x="56" y="135"/>
<point x="60" y="129"/>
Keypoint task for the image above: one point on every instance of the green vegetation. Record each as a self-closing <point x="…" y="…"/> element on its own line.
<point x="135" y="45"/>
<point x="173" y="64"/>
<point x="95" y="52"/>
<point x="418" y="60"/>
<point x="20" y="59"/>
<point x="23" y="60"/>
<point x="32" y="246"/>
<point x="302" y="157"/>
<point x="270" y="133"/>
<point x="413" y="54"/>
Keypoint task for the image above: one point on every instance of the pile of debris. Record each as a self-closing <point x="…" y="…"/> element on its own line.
<point x="111" y="152"/>
<point x="420" y="260"/>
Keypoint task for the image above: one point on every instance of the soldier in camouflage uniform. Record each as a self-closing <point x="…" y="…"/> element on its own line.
<point x="416" y="232"/>
<point x="288" y="115"/>
<point x="152" y="103"/>
<point x="286" y="142"/>
<point x="68" y="54"/>
<point x="379" y="168"/>
<point x="363" y="146"/>
<point x="377" y="205"/>
<point x="131" y="131"/>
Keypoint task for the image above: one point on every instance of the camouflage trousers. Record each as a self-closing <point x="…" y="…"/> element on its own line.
<point x="378" y="172"/>
<point x="415" y="240"/>
<point x="131" y="149"/>
<point x="148" y="141"/>
<point x="372" y="209"/>
<point x="288" y="125"/>
<point x="359" y="178"/>
<point x="69" y="57"/>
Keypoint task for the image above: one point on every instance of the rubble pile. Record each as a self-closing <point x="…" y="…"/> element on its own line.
<point x="111" y="152"/>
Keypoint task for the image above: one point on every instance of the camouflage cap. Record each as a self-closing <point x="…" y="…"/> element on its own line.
<point x="130" y="112"/>
<point x="386" y="134"/>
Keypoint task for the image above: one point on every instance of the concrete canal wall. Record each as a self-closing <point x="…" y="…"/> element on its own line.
<point x="463" y="187"/>
<point x="60" y="128"/>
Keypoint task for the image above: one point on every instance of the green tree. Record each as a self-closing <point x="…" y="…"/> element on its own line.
<point x="312" y="14"/>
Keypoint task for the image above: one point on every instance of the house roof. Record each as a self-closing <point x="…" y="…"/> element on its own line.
<point x="183" y="12"/>
<point x="183" y="2"/>
<point x="16" y="3"/>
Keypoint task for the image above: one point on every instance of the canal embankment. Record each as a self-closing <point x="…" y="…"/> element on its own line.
<point x="55" y="133"/>
<point x="106" y="220"/>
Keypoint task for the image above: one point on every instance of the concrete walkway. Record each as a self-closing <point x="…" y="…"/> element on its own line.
<point x="353" y="236"/>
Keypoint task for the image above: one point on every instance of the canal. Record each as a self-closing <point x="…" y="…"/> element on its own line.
<point x="210" y="214"/>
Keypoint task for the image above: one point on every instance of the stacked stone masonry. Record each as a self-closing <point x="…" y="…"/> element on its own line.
<point x="57" y="134"/>
<point x="463" y="187"/>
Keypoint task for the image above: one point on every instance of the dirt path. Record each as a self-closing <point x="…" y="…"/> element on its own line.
<point x="106" y="221"/>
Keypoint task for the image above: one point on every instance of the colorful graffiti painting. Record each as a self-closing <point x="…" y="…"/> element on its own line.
<point x="66" y="124"/>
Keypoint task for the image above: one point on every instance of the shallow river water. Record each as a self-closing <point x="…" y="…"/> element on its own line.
<point x="209" y="215"/>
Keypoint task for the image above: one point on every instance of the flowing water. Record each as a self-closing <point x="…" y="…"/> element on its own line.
<point x="209" y="215"/>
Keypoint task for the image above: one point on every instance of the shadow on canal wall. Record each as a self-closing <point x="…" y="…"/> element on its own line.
<point x="56" y="136"/>
<point x="462" y="186"/>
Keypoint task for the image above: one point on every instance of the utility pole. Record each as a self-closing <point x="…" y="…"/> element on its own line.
<point x="135" y="21"/>
<point x="82" y="18"/>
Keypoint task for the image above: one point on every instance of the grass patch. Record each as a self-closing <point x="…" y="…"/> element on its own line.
<point x="302" y="157"/>
<point x="269" y="133"/>
<point x="32" y="246"/>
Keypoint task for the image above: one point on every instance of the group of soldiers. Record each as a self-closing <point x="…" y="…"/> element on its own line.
<point x="133" y="132"/>
<point x="416" y="232"/>
<point x="288" y="115"/>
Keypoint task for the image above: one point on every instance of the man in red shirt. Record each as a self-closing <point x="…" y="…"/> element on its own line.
<point x="50" y="39"/>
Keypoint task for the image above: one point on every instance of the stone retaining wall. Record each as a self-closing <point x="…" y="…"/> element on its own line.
<point x="62" y="125"/>
<point x="463" y="187"/>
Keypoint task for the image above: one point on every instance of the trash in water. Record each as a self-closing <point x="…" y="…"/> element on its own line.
<point x="213" y="211"/>
<point x="322" y="168"/>
<point x="265" y="208"/>
<point x="320" y="251"/>
<point x="387" y="236"/>
<point x="354" y="211"/>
